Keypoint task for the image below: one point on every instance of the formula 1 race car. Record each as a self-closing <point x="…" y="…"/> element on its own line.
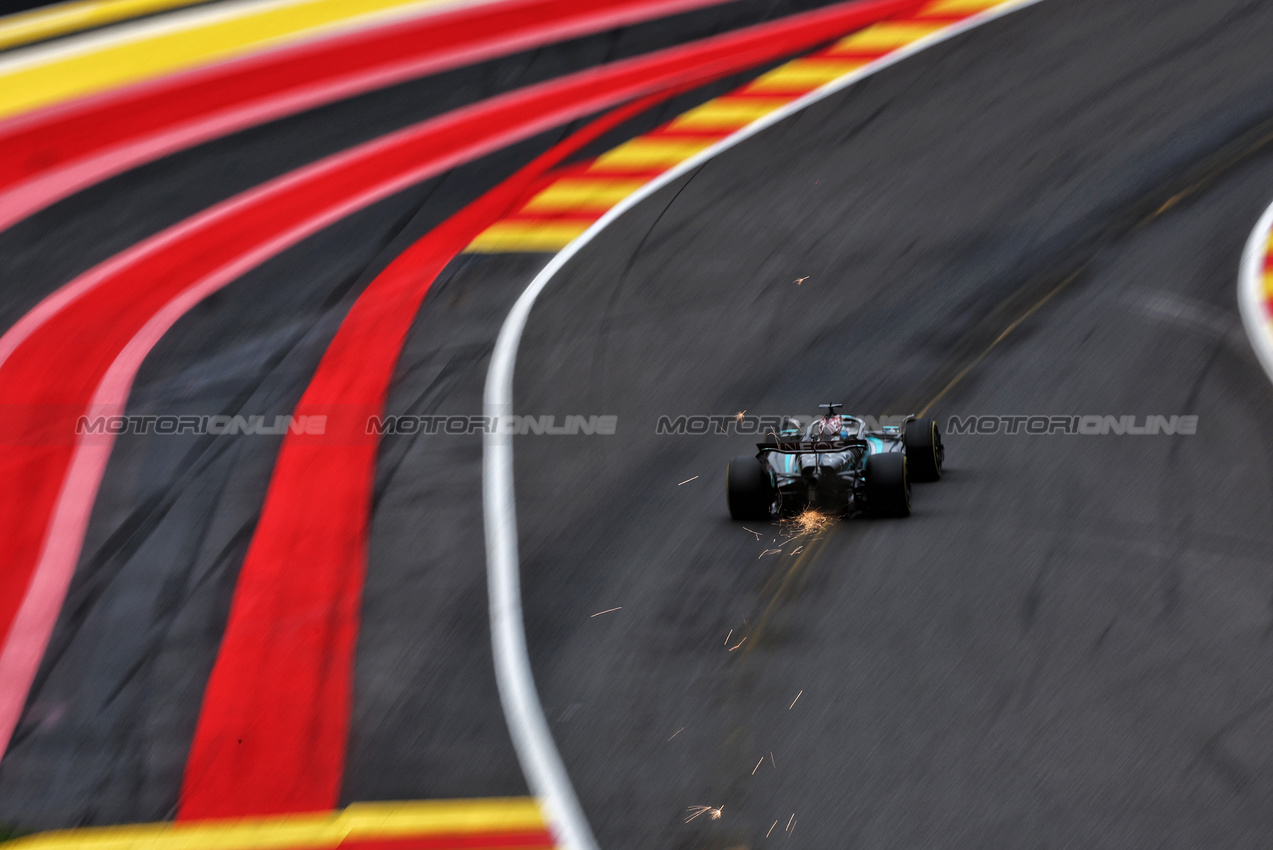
<point x="837" y="467"/>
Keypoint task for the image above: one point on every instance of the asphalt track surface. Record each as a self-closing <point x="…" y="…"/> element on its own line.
<point x="1066" y="644"/>
<point x="108" y="724"/>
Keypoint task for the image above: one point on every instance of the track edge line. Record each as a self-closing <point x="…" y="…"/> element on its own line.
<point x="1251" y="304"/>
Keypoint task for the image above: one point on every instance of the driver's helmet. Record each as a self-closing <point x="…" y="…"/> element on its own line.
<point x="830" y="427"/>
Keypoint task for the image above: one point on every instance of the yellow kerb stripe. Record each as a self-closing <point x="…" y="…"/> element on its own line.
<point x="47" y="74"/>
<point x="361" y="821"/>
<point x="804" y="74"/>
<point x="649" y="153"/>
<point x="573" y="193"/>
<point x="886" y="36"/>
<point x="64" y="18"/>
<point x="725" y="113"/>
<point x="719" y="116"/>
<point x="959" y="7"/>
<point x="514" y="236"/>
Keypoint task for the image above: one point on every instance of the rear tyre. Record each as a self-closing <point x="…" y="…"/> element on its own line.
<point x="888" y="487"/>
<point x="748" y="491"/>
<point x="924" y="450"/>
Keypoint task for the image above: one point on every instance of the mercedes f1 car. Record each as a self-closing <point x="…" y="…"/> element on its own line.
<point x="837" y="467"/>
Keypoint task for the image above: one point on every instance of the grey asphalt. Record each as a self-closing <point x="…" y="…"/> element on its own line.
<point x="1067" y="644"/>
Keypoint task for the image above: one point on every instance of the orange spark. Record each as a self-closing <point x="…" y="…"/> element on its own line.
<point x="807" y="521"/>
<point x="714" y="812"/>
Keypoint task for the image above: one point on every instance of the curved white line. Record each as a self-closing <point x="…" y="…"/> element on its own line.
<point x="542" y="764"/>
<point x="1251" y="301"/>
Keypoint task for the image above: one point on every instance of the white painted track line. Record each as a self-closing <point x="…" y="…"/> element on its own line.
<point x="1251" y="301"/>
<point x="545" y="772"/>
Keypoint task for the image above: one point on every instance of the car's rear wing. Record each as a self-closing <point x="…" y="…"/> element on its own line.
<point x="808" y="446"/>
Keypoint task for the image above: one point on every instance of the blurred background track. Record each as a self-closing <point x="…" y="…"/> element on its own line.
<point x="52" y="152"/>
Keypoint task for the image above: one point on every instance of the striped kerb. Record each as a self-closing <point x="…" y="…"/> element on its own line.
<point x="1267" y="292"/>
<point x="577" y="195"/>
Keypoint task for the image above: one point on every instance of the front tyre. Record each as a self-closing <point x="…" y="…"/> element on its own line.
<point x="888" y="487"/>
<point x="748" y="490"/>
<point x="924" y="450"/>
